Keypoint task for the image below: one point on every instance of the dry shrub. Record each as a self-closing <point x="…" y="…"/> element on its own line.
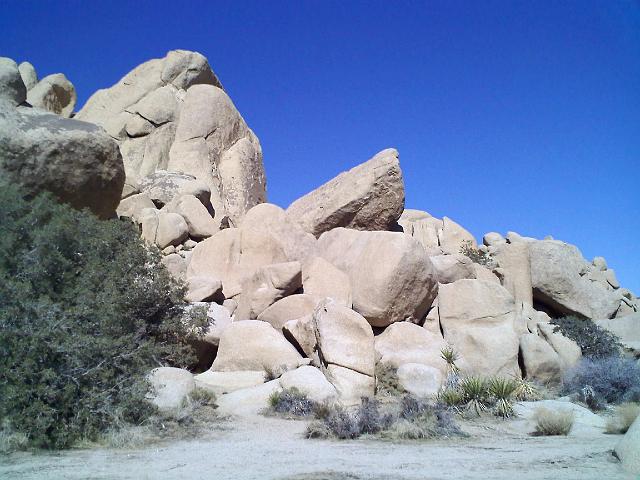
<point x="387" y="381"/>
<point x="550" y="422"/>
<point x="625" y="414"/>
<point x="291" y="401"/>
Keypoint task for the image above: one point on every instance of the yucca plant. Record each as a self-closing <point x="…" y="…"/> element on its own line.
<point x="526" y="390"/>
<point x="475" y="394"/>
<point x="502" y="390"/>
<point x="449" y="355"/>
<point x="451" y="397"/>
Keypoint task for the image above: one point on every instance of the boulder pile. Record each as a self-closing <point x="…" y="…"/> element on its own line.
<point x="316" y="296"/>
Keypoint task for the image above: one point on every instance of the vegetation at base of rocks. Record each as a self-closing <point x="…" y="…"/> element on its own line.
<point x="550" y="422"/>
<point x="595" y="341"/>
<point x="200" y="397"/>
<point x="387" y="381"/>
<point x="291" y="401"/>
<point x="526" y="390"/>
<point x="623" y="417"/>
<point x="476" y="395"/>
<point x="601" y="381"/>
<point x="410" y="418"/>
<point x="503" y="391"/>
<point x="273" y="373"/>
<point x="86" y="310"/>
<point x="476" y="255"/>
<point x="449" y="355"/>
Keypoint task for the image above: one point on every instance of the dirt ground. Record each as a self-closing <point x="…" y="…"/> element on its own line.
<point x="272" y="448"/>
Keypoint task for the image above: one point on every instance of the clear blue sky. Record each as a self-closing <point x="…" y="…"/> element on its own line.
<point x="508" y="115"/>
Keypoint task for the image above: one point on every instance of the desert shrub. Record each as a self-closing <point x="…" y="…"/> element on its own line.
<point x="387" y="382"/>
<point x="291" y="401"/>
<point x="475" y="394"/>
<point x="419" y="419"/>
<point x="452" y="397"/>
<point x="370" y="419"/>
<point x="201" y="397"/>
<point x="526" y="390"/>
<point x="550" y="422"/>
<point x="449" y="355"/>
<point x="624" y="416"/>
<point x="598" y="381"/>
<point x="272" y="373"/>
<point x="595" y="341"/>
<point x="476" y="255"/>
<point x="86" y="310"/>
<point x="502" y="390"/>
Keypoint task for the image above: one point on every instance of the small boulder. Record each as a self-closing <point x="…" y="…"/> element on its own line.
<point x="55" y="94"/>
<point x="204" y="289"/>
<point x="132" y="206"/>
<point x="170" y="386"/>
<point x="628" y="450"/>
<point x="540" y="361"/>
<point x="162" y="228"/>
<point x="28" y="74"/>
<point x="200" y="222"/>
<point x="248" y="401"/>
<point x="12" y="88"/>
<point x="568" y="351"/>
<point x="420" y="380"/>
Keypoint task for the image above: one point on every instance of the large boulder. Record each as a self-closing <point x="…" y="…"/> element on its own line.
<point x="453" y="237"/>
<point x="478" y="320"/>
<point x="321" y="279"/>
<point x="248" y="401"/>
<point x="12" y="88"/>
<point x="559" y="283"/>
<point x="172" y="114"/>
<point x="628" y="450"/>
<point x="513" y="260"/>
<point x="76" y="161"/>
<point x="436" y="236"/>
<point x="268" y="285"/>
<point x="55" y="94"/>
<point x="404" y="342"/>
<point x="367" y="197"/>
<point x="627" y="329"/>
<point x="346" y="349"/>
<point x="392" y="278"/>
<point x="254" y="345"/>
<point x="539" y="360"/>
<point x="289" y="308"/>
<point x="311" y="382"/>
<point x="450" y="268"/>
<point x="420" y="380"/>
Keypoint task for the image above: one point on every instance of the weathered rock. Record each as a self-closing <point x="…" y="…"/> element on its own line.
<point x="297" y="244"/>
<point x="599" y="263"/>
<point x="289" y="308"/>
<point x="432" y="320"/>
<point x="214" y="144"/>
<point x="162" y="228"/>
<point x="311" y="382"/>
<point x="453" y="237"/>
<point x="513" y="259"/>
<point x="533" y="317"/>
<point x="28" y="74"/>
<point x="628" y="450"/>
<point x="321" y="279"/>
<point x="199" y="220"/>
<point x="557" y="270"/>
<point x="450" y="268"/>
<point x="227" y="382"/>
<point x="493" y="239"/>
<point x="539" y="359"/>
<point x="132" y="206"/>
<point x="626" y="328"/>
<point x="350" y="385"/>
<point x="392" y="279"/>
<point x="483" y="273"/>
<point x="233" y="255"/>
<point x="301" y="333"/>
<point x="55" y="94"/>
<point x="254" y="345"/>
<point x="204" y="289"/>
<point x="268" y="285"/>
<point x="367" y="197"/>
<point x="176" y="265"/>
<point x="478" y="320"/>
<point x="420" y="380"/>
<point x="162" y="187"/>
<point x="76" y="161"/>
<point x="568" y="351"/>
<point x="405" y="342"/>
<point x="12" y="88"/>
<point x="219" y="319"/>
<point x="248" y="401"/>
<point x="424" y="228"/>
<point x="170" y="386"/>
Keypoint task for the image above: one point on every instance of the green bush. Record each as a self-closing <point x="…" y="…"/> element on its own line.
<point x="476" y="255"/>
<point x="595" y="342"/>
<point x="86" y="310"/>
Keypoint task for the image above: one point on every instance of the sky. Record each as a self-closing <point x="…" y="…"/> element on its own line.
<point x="508" y="115"/>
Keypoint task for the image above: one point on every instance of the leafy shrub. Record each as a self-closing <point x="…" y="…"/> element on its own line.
<point x="291" y="401"/>
<point x="477" y="256"/>
<point x="598" y="381"/>
<point x="86" y="310"/>
<point x="387" y="382"/>
<point x="625" y="415"/>
<point x="549" y="422"/>
<point x="595" y="341"/>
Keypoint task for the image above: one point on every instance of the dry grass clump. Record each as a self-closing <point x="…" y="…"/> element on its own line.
<point x="550" y="422"/>
<point x="12" y="441"/>
<point x="291" y="402"/>
<point x="625" y="414"/>
<point x="387" y="381"/>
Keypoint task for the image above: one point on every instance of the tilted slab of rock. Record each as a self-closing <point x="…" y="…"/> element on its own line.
<point x="289" y="308"/>
<point x="254" y="345"/>
<point x="163" y="187"/>
<point x="55" y="94"/>
<point x="478" y="320"/>
<point x="436" y="236"/>
<point x="28" y="74"/>
<point x="568" y="350"/>
<point x="514" y="261"/>
<point x="557" y="277"/>
<point x="539" y="359"/>
<point x="76" y="161"/>
<point x="404" y="342"/>
<point x="367" y="197"/>
<point x="227" y="382"/>
<point x="172" y="114"/>
<point x="200" y="222"/>
<point x="392" y="278"/>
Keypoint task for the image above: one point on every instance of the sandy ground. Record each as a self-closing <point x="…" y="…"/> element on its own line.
<point x="273" y="448"/>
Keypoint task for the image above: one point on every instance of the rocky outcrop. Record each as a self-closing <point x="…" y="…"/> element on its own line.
<point x="289" y="308"/>
<point x="172" y="114"/>
<point x="55" y="94"/>
<point x="12" y="88"/>
<point x="76" y="161"/>
<point x="436" y="236"/>
<point x="367" y="197"/>
<point x="478" y="321"/>
<point x="540" y="361"/>
<point x="450" y="268"/>
<point x="392" y="279"/>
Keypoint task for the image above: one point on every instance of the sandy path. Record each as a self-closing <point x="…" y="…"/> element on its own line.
<point x="269" y="448"/>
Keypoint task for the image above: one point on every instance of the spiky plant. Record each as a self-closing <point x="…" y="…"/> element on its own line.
<point x="449" y="355"/>
<point x="525" y="390"/>
<point x="502" y="390"/>
<point x="451" y="397"/>
<point x="475" y="394"/>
